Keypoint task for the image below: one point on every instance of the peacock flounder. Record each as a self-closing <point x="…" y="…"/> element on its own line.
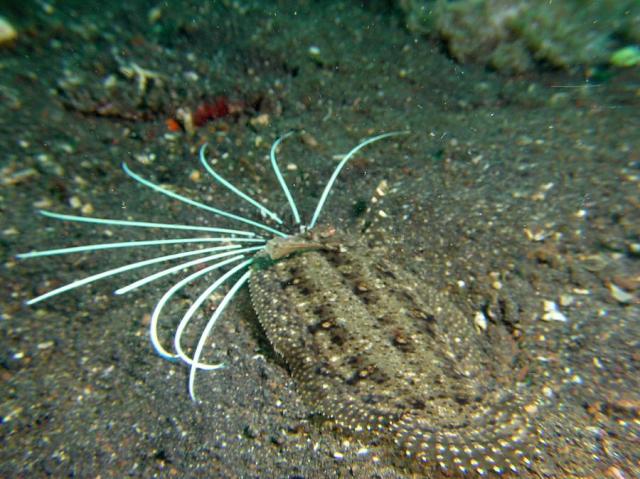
<point x="384" y="354"/>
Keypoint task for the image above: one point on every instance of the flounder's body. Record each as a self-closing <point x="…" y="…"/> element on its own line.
<point x="382" y="353"/>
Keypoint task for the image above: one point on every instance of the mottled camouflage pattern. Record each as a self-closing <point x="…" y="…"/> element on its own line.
<point x="383" y="354"/>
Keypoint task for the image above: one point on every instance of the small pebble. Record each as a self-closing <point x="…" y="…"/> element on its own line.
<point x="551" y="312"/>
<point x="75" y="202"/>
<point x="261" y="120"/>
<point x="382" y="188"/>
<point x="45" y="345"/>
<point x="145" y="158"/>
<point x="309" y="140"/>
<point x="535" y="234"/>
<point x="87" y="209"/>
<point x="619" y="294"/>
<point x="480" y="320"/>
<point x="195" y="176"/>
<point x="362" y="451"/>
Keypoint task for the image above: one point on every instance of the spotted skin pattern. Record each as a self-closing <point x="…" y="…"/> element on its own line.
<point x="386" y="355"/>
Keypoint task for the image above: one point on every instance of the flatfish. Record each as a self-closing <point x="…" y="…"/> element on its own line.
<point x="384" y="354"/>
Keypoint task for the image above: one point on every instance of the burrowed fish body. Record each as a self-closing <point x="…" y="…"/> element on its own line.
<point x="384" y="354"/>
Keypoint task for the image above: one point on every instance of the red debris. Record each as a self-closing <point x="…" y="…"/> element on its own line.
<point x="207" y="111"/>
<point x="173" y="125"/>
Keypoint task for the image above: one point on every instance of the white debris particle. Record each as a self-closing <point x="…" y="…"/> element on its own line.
<point x="382" y="214"/>
<point x="480" y="320"/>
<point x="540" y="195"/>
<point x="551" y="312"/>
<point x="554" y="316"/>
<point x="619" y="294"/>
<point x="536" y="234"/>
<point x="145" y="158"/>
<point x="45" y="345"/>
<point x="338" y="455"/>
<point x="292" y="167"/>
<point x="382" y="188"/>
<point x="75" y="202"/>
<point x="87" y="209"/>
<point x="12" y="414"/>
<point x="191" y="76"/>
